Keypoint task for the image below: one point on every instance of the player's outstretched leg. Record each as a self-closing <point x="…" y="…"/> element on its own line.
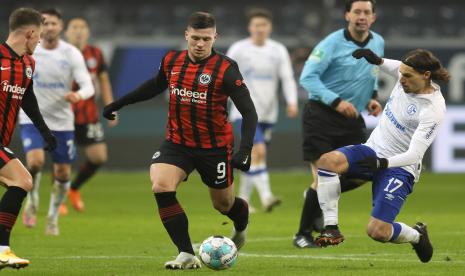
<point x="10" y="205"/>
<point x="329" y="236"/>
<point x="175" y="221"/>
<point x="239" y="214"/>
<point x="310" y="212"/>
<point x="86" y="171"/>
<point x="57" y="197"/>
<point x="423" y="248"/>
<point x="184" y="261"/>
<point x="32" y="201"/>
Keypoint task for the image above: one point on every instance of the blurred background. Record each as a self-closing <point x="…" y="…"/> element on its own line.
<point x="135" y="34"/>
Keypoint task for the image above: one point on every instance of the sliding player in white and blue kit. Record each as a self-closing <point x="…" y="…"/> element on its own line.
<point x="339" y="89"/>
<point x="393" y="154"/>
<point x="264" y="63"/>
<point x="58" y="63"/>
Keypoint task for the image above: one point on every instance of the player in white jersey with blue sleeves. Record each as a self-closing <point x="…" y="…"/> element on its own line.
<point x="264" y="63"/>
<point x="58" y="63"/>
<point x="392" y="155"/>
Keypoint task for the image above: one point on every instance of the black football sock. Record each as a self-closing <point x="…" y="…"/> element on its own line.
<point x="9" y="209"/>
<point x="310" y="212"/>
<point x="86" y="171"/>
<point x="348" y="184"/>
<point x="239" y="214"/>
<point x="175" y="221"/>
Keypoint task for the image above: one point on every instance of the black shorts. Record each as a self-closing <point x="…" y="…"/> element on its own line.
<point x="5" y="156"/>
<point x="89" y="134"/>
<point x="213" y="165"/>
<point x="325" y="129"/>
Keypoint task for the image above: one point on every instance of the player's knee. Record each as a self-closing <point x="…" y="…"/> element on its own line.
<point x="35" y="166"/>
<point x="327" y="161"/>
<point x="162" y="185"/>
<point x="62" y="174"/>
<point x="223" y="206"/>
<point x="25" y="182"/>
<point x="378" y="233"/>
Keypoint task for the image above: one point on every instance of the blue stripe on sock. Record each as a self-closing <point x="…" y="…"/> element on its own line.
<point x="256" y="172"/>
<point x="326" y="173"/>
<point x="396" y="228"/>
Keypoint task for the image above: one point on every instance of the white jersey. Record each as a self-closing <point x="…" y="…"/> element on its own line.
<point x="263" y="67"/>
<point x="408" y="126"/>
<point x="56" y="69"/>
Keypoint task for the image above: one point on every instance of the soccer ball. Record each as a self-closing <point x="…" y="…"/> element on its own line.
<point x="218" y="252"/>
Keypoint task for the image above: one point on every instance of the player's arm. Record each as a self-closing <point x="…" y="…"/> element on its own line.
<point x="421" y="140"/>
<point x="31" y="108"/>
<point x="316" y="64"/>
<point x="149" y="89"/>
<point x="105" y="85"/>
<point x="389" y="66"/>
<point x="239" y="94"/>
<point x="286" y="74"/>
<point x="81" y="76"/>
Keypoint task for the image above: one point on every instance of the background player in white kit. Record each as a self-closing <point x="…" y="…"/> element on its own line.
<point x="263" y="63"/>
<point x="58" y="63"/>
<point x="392" y="155"/>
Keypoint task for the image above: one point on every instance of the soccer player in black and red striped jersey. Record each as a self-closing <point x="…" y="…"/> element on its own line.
<point x="198" y="135"/>
<point x="16" y="69"/>
<point x="88" y="129"/>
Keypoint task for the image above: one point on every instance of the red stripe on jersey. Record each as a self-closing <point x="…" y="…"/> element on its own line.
<point x="197" y="114"/>
<point x="4" y="157"/>
<point x="15" y="77"/>
<point x="86" y="111"/>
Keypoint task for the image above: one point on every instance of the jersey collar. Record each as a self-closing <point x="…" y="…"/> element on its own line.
<point x="203" y="60"/>
<point x="358" y="43"/>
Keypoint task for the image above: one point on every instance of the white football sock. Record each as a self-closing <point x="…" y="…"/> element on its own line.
<point x="329" y="191"/>
<point x="262" y="183"/>
<point x="59" y="191"/>
<point x="245" y="190"/>
<point x="407" y="234"/>
<point x="33" y="196"/>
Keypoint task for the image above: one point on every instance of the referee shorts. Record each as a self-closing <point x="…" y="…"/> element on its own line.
<point x="324" y="130"/>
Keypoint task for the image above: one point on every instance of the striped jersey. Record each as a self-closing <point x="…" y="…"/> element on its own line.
<point x="198" y="94"/>
<point x="86" y="111"/>
<point x="15" y="78"/>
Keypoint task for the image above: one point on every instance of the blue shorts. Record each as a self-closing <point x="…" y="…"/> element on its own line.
<point x="390" y="187"/>
<point x="262" y="132"/>
<point x="65" y="152"/>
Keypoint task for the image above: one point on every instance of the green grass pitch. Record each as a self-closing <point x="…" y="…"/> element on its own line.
<point x="120" y="232"/>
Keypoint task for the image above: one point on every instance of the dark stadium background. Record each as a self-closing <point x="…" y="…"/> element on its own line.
<point x="135" y="34"/>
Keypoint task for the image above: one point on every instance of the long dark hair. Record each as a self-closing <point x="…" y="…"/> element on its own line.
<point x="423" y="60"/>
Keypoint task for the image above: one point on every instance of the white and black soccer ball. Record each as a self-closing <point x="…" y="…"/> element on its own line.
<point x="218" y="252"/>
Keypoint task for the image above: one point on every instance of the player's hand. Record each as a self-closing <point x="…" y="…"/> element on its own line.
<point x="109" y="111"/>
<point x="374" y="107"/>
<point x="241" y="160"/>
<point x="373" y="164"/>
<point x="369" y="55"/>
<point x="72" y="97"/>
<point x="114" y="122"/>
<point x="51" y="142"/>
<point x="347" y="109"/>
<point x="292" y="110"/>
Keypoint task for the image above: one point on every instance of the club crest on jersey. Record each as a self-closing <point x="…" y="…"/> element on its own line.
<point x="411" y="109"/>
<point x="205" y="78"/>
<point x="29" y="72"/>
